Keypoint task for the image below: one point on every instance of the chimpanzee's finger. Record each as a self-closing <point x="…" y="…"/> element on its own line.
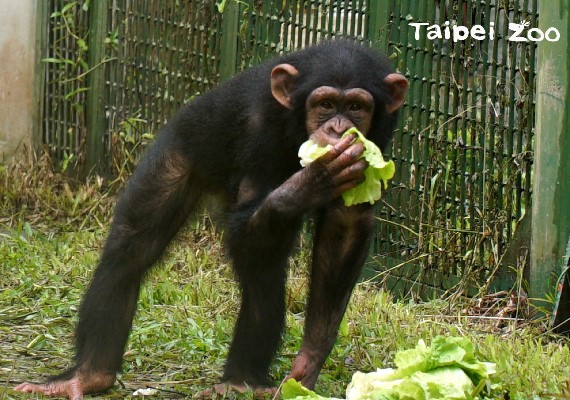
<point x="353" y="172"/>
<point x="337" y="149"/>
<point x="347" y="158"/>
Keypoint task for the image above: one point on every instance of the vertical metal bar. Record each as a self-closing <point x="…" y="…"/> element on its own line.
<point x="260" y="33"/>
<point x="302" y="30"/>
<point x="67" y="88"/>
<point x="286" y="25"/>
<point x="50" y="127"/>
<point x="463" y="62"/>
<point x="308" y="23"/>
<point x="345" y="16"/>
<point x="530" y="107"/>
<point x="330" y="18"/>
<point x="357" y="15"/>
<point x="417" y="51"/>
<point x="176" y="86"/>
<point x="114" y="81"/>
<point x="316" y="9"/>
<point x="478" y="106"/>
<point x="512" y="129"/>
<point x="96" y="95"/>
<point x="500" y="150"/>
<point x="194" y="70"/>
<point x="295" y="23"/>
<point x="40" y="70"/>
<point x="214" y="47"/>
<point x="492" y="128"/>
<point x="323" y="34"/>
<point x="451" y="136"/>
<point x="429" y="88"/>
<point x="522" y="118"/>
<point x="378" y="22"/>
<point x="338" y="19"/>
<point x="200" y="35"/>
<point x="448" y="97"/>
<point x="154" y="28"/>
<point x="400" y="151"/>
<point x="61" y="128"/>
<point x="230" y="33"/>
<point x="143" y="67"/>
<point x="485" y="119"/>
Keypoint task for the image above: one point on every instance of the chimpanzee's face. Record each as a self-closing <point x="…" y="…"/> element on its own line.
<point x="331" y="111"/>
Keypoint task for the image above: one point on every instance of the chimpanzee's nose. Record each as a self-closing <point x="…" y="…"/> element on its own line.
<point x="339" y="125"/>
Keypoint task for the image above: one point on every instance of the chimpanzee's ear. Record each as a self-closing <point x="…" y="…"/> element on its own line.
<point x="398" y="85"/>
<point x="282" y="83"/>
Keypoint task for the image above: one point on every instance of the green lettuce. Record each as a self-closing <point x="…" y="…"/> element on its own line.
<point x="310" y="151"/>
<point x="438" y="384"/>
<point x="448" y="369"/>
<point x="293" y="390"/>
<point x="376" y="174"/>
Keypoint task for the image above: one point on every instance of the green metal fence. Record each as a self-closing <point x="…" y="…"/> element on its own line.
<point x="116" y="71"/>
<point x="465" y="149"/>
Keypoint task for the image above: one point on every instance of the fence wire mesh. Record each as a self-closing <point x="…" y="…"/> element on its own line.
<point x="166" y="53"/>
<point x="465" y="148"/>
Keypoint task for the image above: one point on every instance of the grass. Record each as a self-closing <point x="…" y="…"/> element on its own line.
<point x="51" y="232"/>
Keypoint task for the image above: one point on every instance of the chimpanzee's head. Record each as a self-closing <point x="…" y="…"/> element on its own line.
<point x="341" y="84"/>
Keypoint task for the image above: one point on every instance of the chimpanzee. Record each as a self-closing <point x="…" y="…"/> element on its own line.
<point x="240" y="141"/>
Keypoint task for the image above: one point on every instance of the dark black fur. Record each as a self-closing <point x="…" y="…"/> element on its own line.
<point x="234" y="131"/>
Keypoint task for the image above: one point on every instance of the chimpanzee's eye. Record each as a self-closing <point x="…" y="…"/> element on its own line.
<point x="355" y="107"/>
<point x="327" y="105"/>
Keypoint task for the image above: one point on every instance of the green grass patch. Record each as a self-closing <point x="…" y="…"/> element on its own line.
<point x="51" y="233"/>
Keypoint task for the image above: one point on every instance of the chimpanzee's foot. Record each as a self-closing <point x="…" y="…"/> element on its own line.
<point x="73" y="388"/>
<point x="222" y="389"/>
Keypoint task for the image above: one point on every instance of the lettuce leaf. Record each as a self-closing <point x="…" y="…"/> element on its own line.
<point x="445" y="383"/>
<point x="444" y="351"/>
<point x="376" y="174"/>
<point x="379" y="384"/>
<point x="448" y="369"/>
<point x="293" y="390"/>
<point x="310" y="151"/>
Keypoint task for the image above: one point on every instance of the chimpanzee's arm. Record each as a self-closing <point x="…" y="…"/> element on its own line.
<point x="341" y="245"/>
<point x="314" y="186"/>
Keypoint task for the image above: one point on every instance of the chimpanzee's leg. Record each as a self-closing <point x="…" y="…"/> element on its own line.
<point x="259" y="247"/>
<point x="155" y="203"/>
<point x="341" y="245"/>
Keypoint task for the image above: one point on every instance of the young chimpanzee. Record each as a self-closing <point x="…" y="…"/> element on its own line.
<point x="241" y="141"/>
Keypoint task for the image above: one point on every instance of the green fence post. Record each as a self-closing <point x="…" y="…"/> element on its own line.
<point x="230" y="35"/>
<point x="95" y="97"/>
<point x="41" y="40"/>
<point x="377" y="32"/>
<point x="551" y="188"/>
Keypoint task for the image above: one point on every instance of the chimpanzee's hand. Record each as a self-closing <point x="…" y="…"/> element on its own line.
<point x="339" y="170"/>
<point x="324" y="180"/>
